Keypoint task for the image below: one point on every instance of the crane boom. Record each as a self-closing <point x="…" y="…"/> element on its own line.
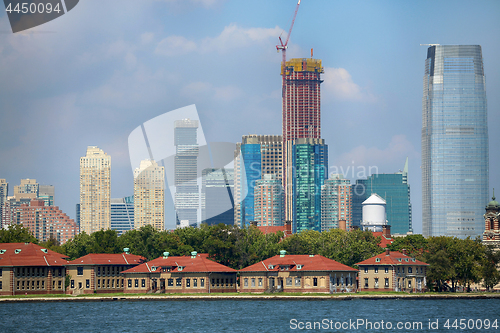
<point x="283" y="46"/>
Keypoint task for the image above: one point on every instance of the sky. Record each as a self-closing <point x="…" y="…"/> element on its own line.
<point x="93" y="75"/>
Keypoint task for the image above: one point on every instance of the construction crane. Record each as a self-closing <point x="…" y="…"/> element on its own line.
<point x="283" y="46"/>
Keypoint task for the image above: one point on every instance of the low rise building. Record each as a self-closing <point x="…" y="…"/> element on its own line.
<point x="183" y="274"/>
<point x="100" y="272"/>
<point x="392" y="270"/>
<point x="297" y="273"/>
<point x="27" y="268"/>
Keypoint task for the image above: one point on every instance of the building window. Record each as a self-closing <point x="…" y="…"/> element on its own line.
<point x="289" y="281"/>
<point x="231" y="281"/>
<point x="217" y="282"/>
<point x="87" y="283"/>
<point x="0" y="272"/>
<point x="409" y="284"/>
<point x="297" y="282"/>
<point x="366" y="270"/>
<point x="136" y="283"/>
<point x="195" y="283"/>
<point x="1" y="287"/>
<point x="143" y="283"/>
<point x="403" y="269"/>
<point x="202" y="283"/>
<point x="80" y="286"/>
<point x="112" y="283"/>
<point x="315" y="282"/>
<point x="79" y="271"/>
<point x="246" y="282"/>
<point x="178" y="282"/>
<point x="129" y="283"/>
<point x="376" y="270"/>
<point x="99" y="271"/>
<point x="386" y="285"/>
<point x="43" y="284"/>
<point x="260" y="282"/>
<point x="410" y="270"/>
<point x="72" y="284"/>
<point x="386" y="270"/>
<point x="376" y="282"/>
<point x="188" y="283"/>
<point x="253" y="282"/>
<point x="123" y="281"/>
<point x="59" y="284"/>
<point x="170" y="282"/>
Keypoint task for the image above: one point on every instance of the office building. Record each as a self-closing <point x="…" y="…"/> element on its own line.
<point x="336" y="202"/>
<point x="255" y="156"/>
<point x="217" y="203"/>
<point x="4" y="192"/>
<point x="149" y="195"/>
<point x="187" y="194"/>
<point x="46" y="193"/>
<point x="310" y="169"/>
<point x="395" y="190"/>
<point x="27" y="190"/>
<point x="122" y="214"/>
<point x="268" y="201"/>
<point x="95" y="191"/>
<point x="454" y="142"/>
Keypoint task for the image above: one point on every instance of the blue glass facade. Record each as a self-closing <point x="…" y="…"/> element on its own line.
<point x="454" y="142"/>
<point x="310" y="169"/>
<point x="122" y="214"/>
<point x="251" y="155"/>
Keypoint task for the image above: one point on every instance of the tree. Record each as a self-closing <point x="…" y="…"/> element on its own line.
<point x="79" y="246"/>
<point x="415" y="245"/>
<point x="441" y="267"/>
<point x="16" y="233"/>
<point x="489" y="271"/>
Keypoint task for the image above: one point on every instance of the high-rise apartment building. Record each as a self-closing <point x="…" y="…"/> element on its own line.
<point x="122" y="214"/>
<point x="336" y="201"/>
<point x="310" y="169"/>
<point x="4" y="192"/>
<point x="187" y="194"/>
<point x="217" y="203"/>
<point x="95" y="190"/>
<point x="46" y="193"/>
<point x="268" y="201"/>
<point x="149" y="195"/>
<point x="454" y="142"/>
<point x="27" y="190"/>
<point x="301" y="120"/>
<point x="395" y="190"/>
<point x="255" y="156"/>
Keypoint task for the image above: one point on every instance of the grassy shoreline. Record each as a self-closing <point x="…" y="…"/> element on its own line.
<point x="245" y="296"/>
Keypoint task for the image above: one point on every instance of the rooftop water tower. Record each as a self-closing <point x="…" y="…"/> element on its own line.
<point x="374" y="217"/>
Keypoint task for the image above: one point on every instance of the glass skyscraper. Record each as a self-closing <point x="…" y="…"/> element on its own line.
<point x="454" y="142"/>
<point x="122" y="214"/>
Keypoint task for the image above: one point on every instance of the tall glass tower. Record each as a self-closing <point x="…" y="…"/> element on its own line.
<point x="454" y="142"/>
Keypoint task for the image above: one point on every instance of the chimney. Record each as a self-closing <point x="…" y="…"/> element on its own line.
<point x="342" y="225"/>
<point x="386" y="231"/>
<point x="387" y="252"/>
<point x="404" y="252"/>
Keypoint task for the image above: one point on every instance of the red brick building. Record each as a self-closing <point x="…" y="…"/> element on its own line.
<point x="184" y="274"/>
<point x="44" y="222"/>
<point x="297" y="273"/>
<point x="392" y="270"/>
<point x="27" y="268"/>
<point x="100" y="272"/>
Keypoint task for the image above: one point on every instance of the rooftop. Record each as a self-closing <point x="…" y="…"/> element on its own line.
<point x="108" y="259"/>
<point x="297" y="263"/>
<point x="29" y="254"/>
<point x="391" y="258"/>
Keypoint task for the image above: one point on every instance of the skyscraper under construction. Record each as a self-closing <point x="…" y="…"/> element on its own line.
<point x="302" y="120"/>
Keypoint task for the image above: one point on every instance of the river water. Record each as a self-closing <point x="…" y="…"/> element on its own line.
<point x="358" y="315"/>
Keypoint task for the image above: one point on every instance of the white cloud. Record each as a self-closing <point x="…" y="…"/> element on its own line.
<point x="175" y="46"/>
<point x="224" y="94"/>
<point x="227" y="93"/>
<point x="147" y="37"/>
<point x="338" y="84"/>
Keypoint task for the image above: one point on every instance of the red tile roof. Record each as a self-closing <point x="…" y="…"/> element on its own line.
<point x="384" y="240"/>
<point x="108" y="259"/>
<point x="309" y="263"/>
<point x="29" y="255"/>
<point x="272" y="229"/>
<point x="200" y="263"/>
<point x="393" y="258"/>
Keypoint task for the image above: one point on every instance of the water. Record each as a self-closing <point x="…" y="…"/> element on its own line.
<point x="246" y="315"/>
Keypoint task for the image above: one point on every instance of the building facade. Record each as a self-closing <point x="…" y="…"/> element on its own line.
<point x="297" y="273"/>
<point x="149" y="195"/>
<point x="95" y="191"/>
<point x="4" y="192"/>
<point x="392" y="271"/>
<point x="27" y="190"/>
<point x="269" y="201"/>
<point x="187" y="194"/>
<point x="217" y="199"/>
<point x="100" y="273"/>
<point x="27" y="268"/>
<point x="455" y="158"/>
<point x="395" y="190"/>
<point x="122" y="214"/>
<point x="491" y="235"/>
<point x="47" y="194"/>
<point x="255" y="156"/>
<point x="183" y="274"/>
<point x="336" y="200"/>
<point x="310" y="170"/>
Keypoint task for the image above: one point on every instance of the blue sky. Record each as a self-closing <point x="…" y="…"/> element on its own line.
<point x="93" y="75"/>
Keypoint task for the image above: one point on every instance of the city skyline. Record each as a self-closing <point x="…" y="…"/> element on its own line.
<point x="112" y="82"/>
